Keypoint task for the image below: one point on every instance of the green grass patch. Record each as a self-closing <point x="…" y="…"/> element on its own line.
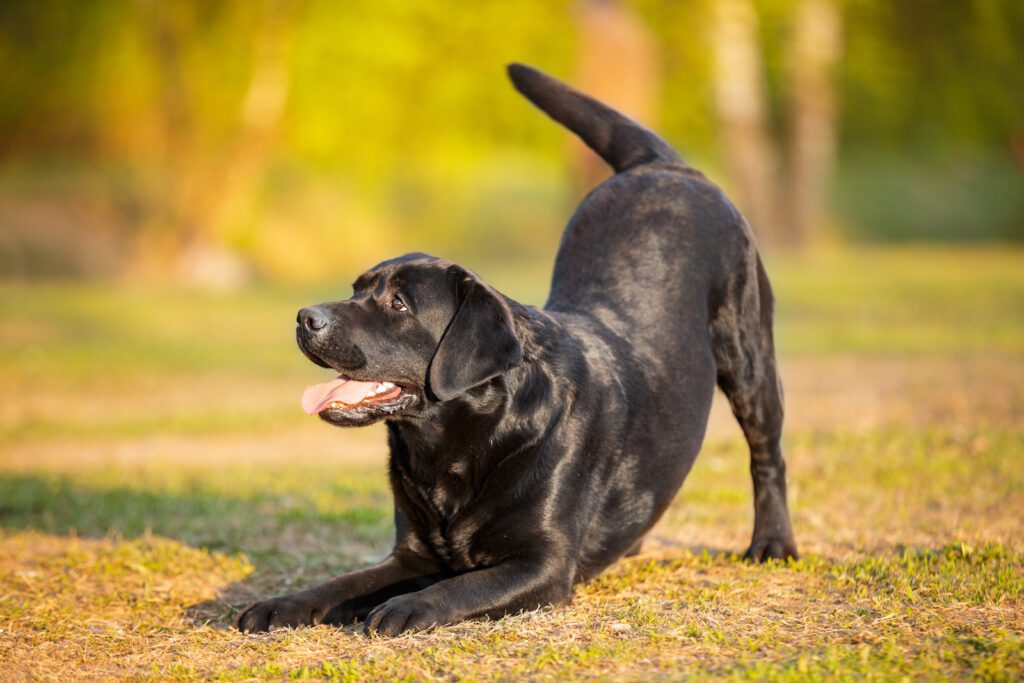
<point x="256" y="510"/>
<point x="866" y="300"/>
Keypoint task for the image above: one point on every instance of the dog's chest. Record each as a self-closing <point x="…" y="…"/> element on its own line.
<point x="439" y="514"/>
<point x="453" y="544"/>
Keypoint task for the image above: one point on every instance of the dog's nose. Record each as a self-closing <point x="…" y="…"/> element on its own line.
<point x="313" y="319"/>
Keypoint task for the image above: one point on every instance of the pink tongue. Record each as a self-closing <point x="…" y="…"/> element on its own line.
<point x="342" y="389"/>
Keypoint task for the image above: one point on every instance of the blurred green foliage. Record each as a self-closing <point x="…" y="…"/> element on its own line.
<point x="397" y="130"/>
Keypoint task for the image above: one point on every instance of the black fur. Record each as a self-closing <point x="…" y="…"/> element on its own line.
<point x="531" y="449"/>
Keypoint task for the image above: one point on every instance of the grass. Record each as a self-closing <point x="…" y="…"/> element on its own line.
<point x="156" y="476"/>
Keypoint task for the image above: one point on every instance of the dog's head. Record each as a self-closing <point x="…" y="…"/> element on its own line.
<point x="417" y="330"/>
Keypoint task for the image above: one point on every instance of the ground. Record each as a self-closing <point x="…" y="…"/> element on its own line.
<point x="157" y="475"/>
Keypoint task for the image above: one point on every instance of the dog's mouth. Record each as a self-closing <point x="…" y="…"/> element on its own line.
<point x="344" y="394"/>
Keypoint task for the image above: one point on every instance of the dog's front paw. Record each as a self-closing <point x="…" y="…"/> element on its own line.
<point x="771" y="548"/>
<point x="286" y="612"/>
<point x="405" y="613"/>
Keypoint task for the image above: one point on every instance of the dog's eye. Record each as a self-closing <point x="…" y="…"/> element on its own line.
<point x="399" y="305"/>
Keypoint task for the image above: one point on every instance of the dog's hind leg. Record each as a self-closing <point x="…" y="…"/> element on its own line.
<point x="744" y="350"/>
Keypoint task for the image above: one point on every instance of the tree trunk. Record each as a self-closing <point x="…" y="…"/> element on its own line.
<point x="813" y="54"/>
<point x="740" y="97"/>
<point x="206" y="259"/>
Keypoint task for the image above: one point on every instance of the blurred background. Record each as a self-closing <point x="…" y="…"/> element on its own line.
<point x="219" y="144"/>
<point x="178" y="178"/>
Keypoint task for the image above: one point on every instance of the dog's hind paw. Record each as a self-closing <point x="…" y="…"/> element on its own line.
<point x="765" y="549"/>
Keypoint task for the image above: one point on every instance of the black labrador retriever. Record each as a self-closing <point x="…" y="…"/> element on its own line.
<point x="531" y="449"/>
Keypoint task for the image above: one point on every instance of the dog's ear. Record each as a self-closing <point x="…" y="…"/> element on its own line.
<point x="480" y="342"/>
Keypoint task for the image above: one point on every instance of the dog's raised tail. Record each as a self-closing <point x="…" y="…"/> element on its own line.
<point x="617" y="139"/>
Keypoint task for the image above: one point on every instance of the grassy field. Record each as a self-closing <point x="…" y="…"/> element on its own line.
<point x="157" y="475"/>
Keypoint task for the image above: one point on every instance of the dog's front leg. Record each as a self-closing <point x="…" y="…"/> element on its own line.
<point x="340" y="600"/>
<point x="505" y="588"/>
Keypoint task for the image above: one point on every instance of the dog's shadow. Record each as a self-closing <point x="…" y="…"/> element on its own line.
<point x="222" y="611"/>
<point x="288" y="551"/>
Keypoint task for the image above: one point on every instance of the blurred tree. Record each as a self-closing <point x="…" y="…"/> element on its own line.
<point x="615" y="62"/>
<point x="210" y="177"/>
<point x="783" y="176"/>
<point x="313" y="135"/>
<point x="741" y="99"/>
<point x="812" y="58"/>
<point x="242" y="171"/>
